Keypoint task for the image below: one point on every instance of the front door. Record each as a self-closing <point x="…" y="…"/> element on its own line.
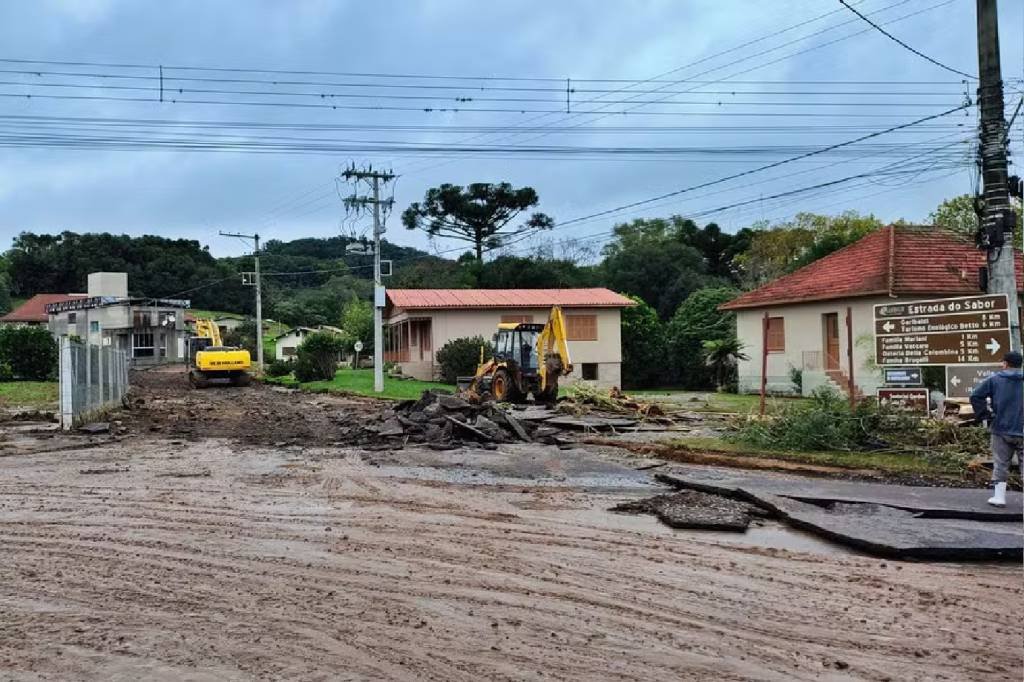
<point x="831" y="341"/>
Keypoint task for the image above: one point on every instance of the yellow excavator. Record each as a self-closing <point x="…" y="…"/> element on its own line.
<point x="528" y="359"/>
<point x="210" y="360"/>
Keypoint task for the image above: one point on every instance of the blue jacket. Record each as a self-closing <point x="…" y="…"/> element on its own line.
<point x="1006" y="391"/>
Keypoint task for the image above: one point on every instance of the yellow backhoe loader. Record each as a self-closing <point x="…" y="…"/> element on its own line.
<point x="211" y="361"/>
<point x="528" y="359"/>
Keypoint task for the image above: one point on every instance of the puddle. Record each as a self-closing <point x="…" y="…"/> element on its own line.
<point x="772" y="535"/>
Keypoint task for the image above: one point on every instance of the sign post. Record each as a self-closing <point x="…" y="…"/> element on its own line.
<point x="962" y="379"/>
<point x="968" y="330"/>
<point x="905" y="399"/>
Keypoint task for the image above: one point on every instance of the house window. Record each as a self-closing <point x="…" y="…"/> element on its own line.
<point x="589" y="371"/>
<point x="288" y="351"/>
<point x="776" y="335"/>
<point x="142" y="318"/>
<point x="142" y="345"/>
<point x="581" y="327"/>
<point x="72" y="318"/>
<point x="516" y="319"/>
<point x="94" y="326"/>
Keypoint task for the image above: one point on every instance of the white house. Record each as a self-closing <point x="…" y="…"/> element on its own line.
<point x="287" y="344"/>
<point x="815" y="313"/>
<point x="421" y="321"/>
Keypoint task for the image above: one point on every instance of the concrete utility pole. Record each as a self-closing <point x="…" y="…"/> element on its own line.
<point x="259" y="293"/>
<point x="997" y="217"/>
<point x="375" y="178"/>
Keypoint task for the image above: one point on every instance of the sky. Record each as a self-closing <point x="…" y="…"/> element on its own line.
<point x="664" y="97"/>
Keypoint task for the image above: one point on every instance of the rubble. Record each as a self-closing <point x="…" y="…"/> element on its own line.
<point x="695" y="510"/>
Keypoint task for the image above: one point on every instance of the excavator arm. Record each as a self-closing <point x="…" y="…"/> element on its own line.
<point x="208" y="329"/>
<point x="553" y="350"/>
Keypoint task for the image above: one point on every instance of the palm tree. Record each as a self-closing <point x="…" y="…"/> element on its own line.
<point x="722" y="356"/>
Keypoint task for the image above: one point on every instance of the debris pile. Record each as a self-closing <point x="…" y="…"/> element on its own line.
<point x="444" y="421"/>
<point x="583" y="397"/>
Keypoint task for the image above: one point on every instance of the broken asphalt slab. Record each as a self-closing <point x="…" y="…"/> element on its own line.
<point x="900" y="522"/>
<point x="954" y="503"/>
<point x="695" y="510"/>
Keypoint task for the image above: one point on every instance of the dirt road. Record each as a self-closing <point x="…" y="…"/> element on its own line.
<point x="169" y="556"/>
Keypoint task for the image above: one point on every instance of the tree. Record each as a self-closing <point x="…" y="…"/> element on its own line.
<point x="5" y="293"/>
<point x="698" y="320"/>
<point x="651" y="258"/>
<point x="776" y="250"/>
<point x="722" y="356"/>
<point x="243" y="336"/>
<point x="958" y="216"/>
<point x="357" y="321"/>
<point x="515" y="272"/>
<point x="480" y="213"/>
<point x="643" y="346"/>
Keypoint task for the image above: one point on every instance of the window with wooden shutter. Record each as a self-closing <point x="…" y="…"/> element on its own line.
<point x="776" y="335"/>
<point x="581" y="327"/>
<point x="516" y="319"/>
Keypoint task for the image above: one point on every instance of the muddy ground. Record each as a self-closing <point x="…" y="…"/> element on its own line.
<point x="223" y="536"/>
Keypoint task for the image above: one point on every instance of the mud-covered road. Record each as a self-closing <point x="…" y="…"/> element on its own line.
<point x="207" y="553"/>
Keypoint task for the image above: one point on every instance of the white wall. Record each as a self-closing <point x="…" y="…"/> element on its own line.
<point x="605" y="352"/>
<point x="805" y="332"/>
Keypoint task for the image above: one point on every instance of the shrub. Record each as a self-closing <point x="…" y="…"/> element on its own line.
<point x="28" y="353"/>
<point x="278" y="368"/>
<point x="306" y="370"/>
<point x="318" y="356"/>
<point x="460" y="357"/>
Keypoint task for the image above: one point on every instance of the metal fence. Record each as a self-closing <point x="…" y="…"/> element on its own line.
<point x="92" y="378"/>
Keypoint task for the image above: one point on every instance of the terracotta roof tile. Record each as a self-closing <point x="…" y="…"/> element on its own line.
<point x="505" y="298"/>
<point x="896" y="260"/>
<point x="34" y="309"/>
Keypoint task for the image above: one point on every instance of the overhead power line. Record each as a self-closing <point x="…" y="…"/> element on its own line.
<point x="899" y="42"/>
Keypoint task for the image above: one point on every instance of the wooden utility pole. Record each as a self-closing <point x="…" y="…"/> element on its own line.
<point x="997" y="217"/>
<point x="764" y="361"/>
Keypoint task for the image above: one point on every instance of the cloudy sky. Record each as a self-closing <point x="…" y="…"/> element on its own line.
<point x="264" y="103"/>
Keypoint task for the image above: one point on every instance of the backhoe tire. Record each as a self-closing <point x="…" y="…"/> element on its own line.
<point x="503" y="388"/>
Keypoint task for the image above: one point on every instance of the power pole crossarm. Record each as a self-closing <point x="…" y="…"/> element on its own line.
<point x="998" y="219"/>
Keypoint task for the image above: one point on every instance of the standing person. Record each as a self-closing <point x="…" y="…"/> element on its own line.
<point x="1004" y="390"/>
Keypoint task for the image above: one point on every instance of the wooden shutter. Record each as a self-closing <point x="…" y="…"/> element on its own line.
<point x="776" y="334"/>
<point x="581" y="327"/>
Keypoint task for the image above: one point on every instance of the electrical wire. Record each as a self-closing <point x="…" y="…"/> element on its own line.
<point x="902" y="44"/>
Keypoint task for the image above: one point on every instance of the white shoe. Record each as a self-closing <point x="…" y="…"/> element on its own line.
<point x="998" y="498"/>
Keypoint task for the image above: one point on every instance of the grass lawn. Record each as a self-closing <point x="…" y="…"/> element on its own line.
<point x="360" y="382"/>
<point x="710" y="401"/>
<point x="903" y="463"/>
<point x="34" y="394"/>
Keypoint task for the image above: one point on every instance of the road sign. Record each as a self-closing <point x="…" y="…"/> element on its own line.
<point x="358" y="346"/>
<point x="961" y="379"/>
<point x="905" y="399"/>
<point x="902" y="376"/>
<point x="945" y="331"/>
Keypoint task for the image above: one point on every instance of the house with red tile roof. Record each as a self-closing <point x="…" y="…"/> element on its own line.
<point x="807" y="310"/>
<point x="421" y="321"/>
<point x="33" y="311"/>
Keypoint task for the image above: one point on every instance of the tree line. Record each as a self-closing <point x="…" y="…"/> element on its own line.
<point x="677" y="271"/>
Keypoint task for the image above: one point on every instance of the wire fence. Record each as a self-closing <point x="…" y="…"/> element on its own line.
<point x="92" y="379"/>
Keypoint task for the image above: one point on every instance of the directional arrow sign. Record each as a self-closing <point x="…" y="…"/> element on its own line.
<point x="948" y="331"/>
<point x="962" y="379"/>
<point x="902" y="376"/>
